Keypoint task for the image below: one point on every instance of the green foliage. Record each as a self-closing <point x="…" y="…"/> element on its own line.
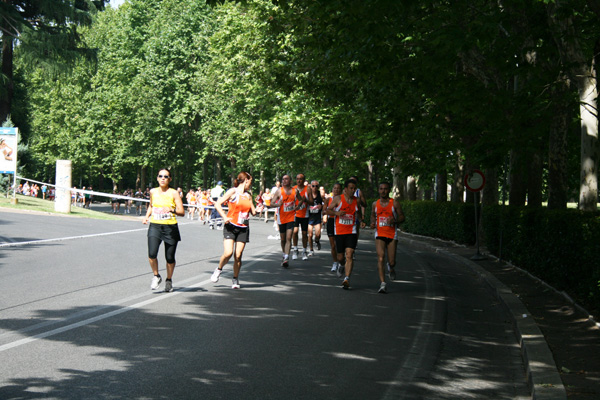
<point x="327" y="88"/>
<point x="450" y="221"/>
<point x="559" y="246"/>
<point x="44" y="35"/>
<point x="5" y="182"/>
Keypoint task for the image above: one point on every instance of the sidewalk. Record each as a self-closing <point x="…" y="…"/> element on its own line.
<point x="559" y="342"/>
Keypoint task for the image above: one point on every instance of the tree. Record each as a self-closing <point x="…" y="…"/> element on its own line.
<point x="46" y="31"/>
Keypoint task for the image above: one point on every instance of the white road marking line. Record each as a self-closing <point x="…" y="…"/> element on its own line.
<point x="43" y="241"/>
<point x="97" y="318"/>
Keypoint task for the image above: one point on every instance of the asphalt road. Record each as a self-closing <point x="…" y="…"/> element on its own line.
<point x="78" y="320"/>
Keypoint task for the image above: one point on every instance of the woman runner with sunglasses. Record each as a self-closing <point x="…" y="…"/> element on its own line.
<point x="165" y="204"/>
<point x="235" y="225"/>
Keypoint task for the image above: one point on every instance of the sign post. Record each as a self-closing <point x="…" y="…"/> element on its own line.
<point x="475" y="181"/>
<point x="62" y="198"/>
<point x="9" y="137"/>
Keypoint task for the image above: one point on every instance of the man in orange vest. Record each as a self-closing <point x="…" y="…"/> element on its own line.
<point x="301" y="219"/>
<point x="386" y="215"/>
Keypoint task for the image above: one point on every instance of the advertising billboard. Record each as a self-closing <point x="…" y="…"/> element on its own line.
<point x="8" y="150"/>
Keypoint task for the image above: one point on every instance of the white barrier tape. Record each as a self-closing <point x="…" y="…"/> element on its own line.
<point x="103" y="194"/>
<point x="116" y="196"/>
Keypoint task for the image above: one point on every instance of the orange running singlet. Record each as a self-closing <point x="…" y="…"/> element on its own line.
<point x="346" y="224"/>
<point x="384" y="220"/>
<point x="286" y="209"/>
<point x="302" y="212"/>
<point x="239" y="209"/>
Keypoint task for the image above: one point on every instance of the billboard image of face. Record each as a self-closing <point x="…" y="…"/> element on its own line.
<point x="8" y="150"/>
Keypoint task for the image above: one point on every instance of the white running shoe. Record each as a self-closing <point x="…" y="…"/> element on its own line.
<point x="215" y="275"/>
<point x="340" y="270"/>
<point x="168" y="286"/>
<point x="391" y="272"/>
<point x="294" y="255"/>
<point x="334" y="268"/>
<point x="382" y="288"/>
<point x="156" y="280"/>
<point x="304" y="256"/>
<point x="311" y="253"/>
<point x="235" y="283"/>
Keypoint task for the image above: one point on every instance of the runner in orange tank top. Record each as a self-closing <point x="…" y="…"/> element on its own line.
<point x="386" y="214"/>
<point x="285" y="199"/>
<point x="235" y="225"/>
<point x="330" y="223"/>
<point x="267" y="199"/>
<point x="346" y="209"/>
<point x="301" y="219"/>
<point x="203" y="205"/>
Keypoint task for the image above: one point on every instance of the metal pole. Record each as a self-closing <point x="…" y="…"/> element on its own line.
<point x="477" y="256"/>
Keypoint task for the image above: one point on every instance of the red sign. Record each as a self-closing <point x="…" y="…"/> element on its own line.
<point x="475" y="181"/>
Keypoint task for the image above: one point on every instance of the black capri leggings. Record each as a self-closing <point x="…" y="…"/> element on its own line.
<point x="154" y="243"/>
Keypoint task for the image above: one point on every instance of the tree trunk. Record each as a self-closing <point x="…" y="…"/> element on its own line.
<point x="411" y="188"/>
<point x="217" y="170"/>
<point x="370" y="179"/>
<point x="138" y="179"/>
<point x="490" y="190"/>
<point x="6" y="94"/>
<point x="233" y="173"/>
<point x="517" y="178"/>
<point x="557" y="155"/>
<point x="144" y="177"/>
<point x="458" y="186"/>
<point x="427" y="192"/>
<point x="571" y="54"/>
<point x="399" y="185"/>
<point x="205" y="175"/>
<point x="588" y="93"/>
<point x="535" y="181"/>
<point x="100" y="187"/>
<point x="262" y="183"/>
<point x="441" y="187"/>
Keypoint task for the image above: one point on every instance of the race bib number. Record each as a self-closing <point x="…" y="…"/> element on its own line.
<point x="314" y="209"/>
<point x="242" y="218"/>
<point x="161" y="214"/>
<point x="287" y="207"/>
<point x="346" y="219"/>
<point x="386" y="221"/>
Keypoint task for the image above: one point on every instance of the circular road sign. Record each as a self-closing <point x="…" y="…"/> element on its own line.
<point x="475" y="181"/>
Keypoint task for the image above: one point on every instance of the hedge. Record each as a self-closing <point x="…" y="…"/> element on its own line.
<point x="561" y="247"/>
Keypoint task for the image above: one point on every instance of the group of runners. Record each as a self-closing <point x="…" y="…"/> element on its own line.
<point x="129" y="199"/>
<point x="198" y="202"/>
<point x="303" y="207"/>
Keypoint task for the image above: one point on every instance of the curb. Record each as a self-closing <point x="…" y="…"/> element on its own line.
<point x="543" y="378"/>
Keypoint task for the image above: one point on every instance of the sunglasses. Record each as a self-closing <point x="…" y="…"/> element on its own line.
<point x="164" y="176"/>
<point x="315" y="185"/>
